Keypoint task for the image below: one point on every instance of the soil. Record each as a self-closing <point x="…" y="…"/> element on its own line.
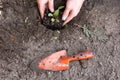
<point x="53" y="25"/>
<point x="47" y="19"/>
<point x="23" y="38"/>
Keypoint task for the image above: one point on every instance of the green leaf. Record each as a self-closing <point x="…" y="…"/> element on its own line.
<point x="52" y="20"/>
<point x="61" y="7"/>
<point x="50" y="14"/>
<point x="56" y="13"/>
<point x="87" y="32"/>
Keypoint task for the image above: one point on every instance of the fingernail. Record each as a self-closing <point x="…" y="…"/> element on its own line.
<point x="64" y="18"/>
<point x="52" y="10"/>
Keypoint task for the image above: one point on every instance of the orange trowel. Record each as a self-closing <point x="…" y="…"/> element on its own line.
<point x="60" y="61"/>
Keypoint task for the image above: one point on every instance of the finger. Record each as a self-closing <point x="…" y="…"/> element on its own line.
<point x="51" y="5"/>
<point x="70" y="17"/>
<point x="66" y="13"/>
<point x="41" y="8"/>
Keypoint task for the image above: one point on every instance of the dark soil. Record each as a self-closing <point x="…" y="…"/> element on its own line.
<point x="53" y="25"/>
<point x="47" y="19"/>
<point x="23" y="38"/>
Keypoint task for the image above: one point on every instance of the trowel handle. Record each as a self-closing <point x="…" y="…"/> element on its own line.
<point x="82" y="56"/>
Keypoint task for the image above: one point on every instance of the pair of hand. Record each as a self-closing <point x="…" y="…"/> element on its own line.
<point x="72" y="8"/>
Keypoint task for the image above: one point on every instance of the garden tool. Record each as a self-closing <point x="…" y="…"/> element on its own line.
<point x="60" y="61"/>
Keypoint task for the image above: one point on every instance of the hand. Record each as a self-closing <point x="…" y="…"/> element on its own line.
<point x="43" y="4"/>
<point x="72" y="9"/>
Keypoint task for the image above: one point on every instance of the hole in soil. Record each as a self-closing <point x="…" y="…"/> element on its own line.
<point x="81" y="54"/>
<point x="51" y="23"/>
<point x="61" y="56"/>
<point x="73" y="56"/>
<point x="53" y="20"/>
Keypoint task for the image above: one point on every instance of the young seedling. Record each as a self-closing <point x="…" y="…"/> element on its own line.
<point x="54" y="16"/>
<point x="86" y="30"/>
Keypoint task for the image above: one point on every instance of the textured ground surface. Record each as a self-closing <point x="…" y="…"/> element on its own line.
<point x="23" y="38"/>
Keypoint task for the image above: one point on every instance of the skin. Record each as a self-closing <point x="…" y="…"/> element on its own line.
<point x="72" y="8"/>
